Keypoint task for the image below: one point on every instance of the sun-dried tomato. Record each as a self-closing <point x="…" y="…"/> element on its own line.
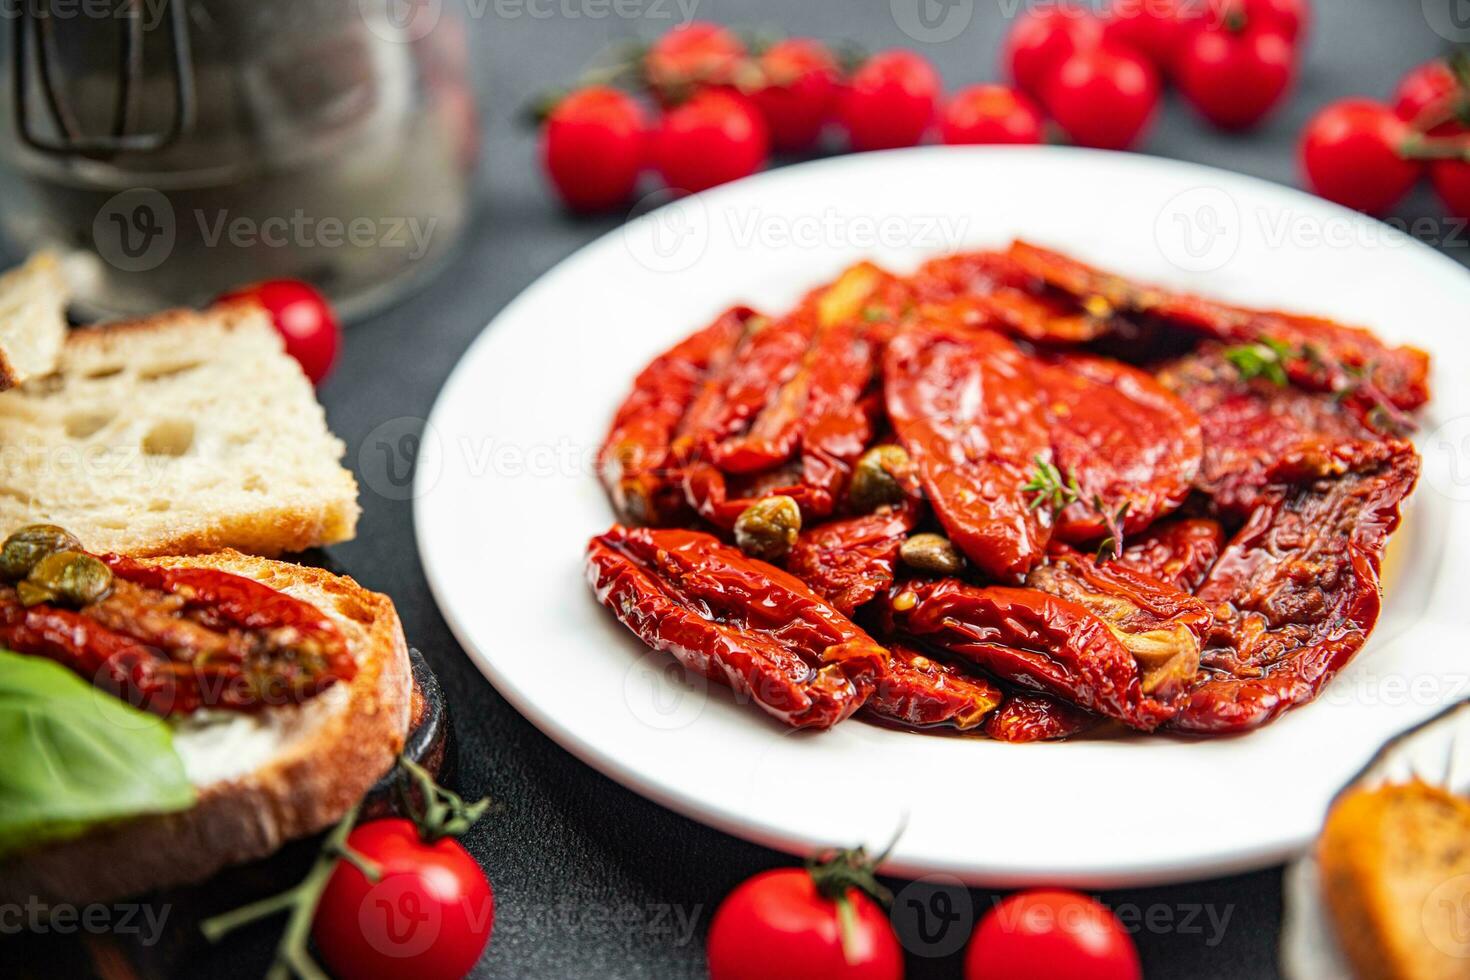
<point x="737" y="621"/>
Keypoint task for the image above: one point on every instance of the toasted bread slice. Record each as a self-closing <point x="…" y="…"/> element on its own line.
<point x="182" y="433"/>
<point x="1395" y="866"/>
<point x="33" y="301"/>
<point x="261" y="779"/>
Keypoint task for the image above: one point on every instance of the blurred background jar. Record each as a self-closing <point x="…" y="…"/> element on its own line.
<point x="173" y="149"/>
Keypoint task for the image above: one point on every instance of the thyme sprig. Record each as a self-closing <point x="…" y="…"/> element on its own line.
<point x="1056" y="491"/>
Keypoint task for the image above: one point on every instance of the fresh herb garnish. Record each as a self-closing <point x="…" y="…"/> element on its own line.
<point x="1264" y="359"/>
<point x="1048" y="486"/>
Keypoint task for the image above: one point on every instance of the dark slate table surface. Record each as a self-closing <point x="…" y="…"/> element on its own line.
<point x="591" y="879"/>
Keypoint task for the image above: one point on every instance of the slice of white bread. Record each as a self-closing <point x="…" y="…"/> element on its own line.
<point x="32" y="319"/>
<point x="181" y="433"/>
<point x="263" y="779"/>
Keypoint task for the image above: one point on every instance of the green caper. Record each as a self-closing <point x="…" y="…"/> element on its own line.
<point x="71" y="577"/>
<point x="931" y="553"/>
<point x="29" y="545"/>
<point x="875" y="478"/>
<point x="768" y="528"/>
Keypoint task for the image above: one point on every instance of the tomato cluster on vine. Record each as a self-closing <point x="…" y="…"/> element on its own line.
<point x="1100" y="77"/>
<point x="1368" y="155"/>
<point x="700" y="106"/>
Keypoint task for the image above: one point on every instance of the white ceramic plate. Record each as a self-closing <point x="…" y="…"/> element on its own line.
<point x="506" y="499"/>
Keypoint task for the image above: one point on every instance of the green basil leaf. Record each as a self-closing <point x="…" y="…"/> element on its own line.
<point x="75" y="756"/>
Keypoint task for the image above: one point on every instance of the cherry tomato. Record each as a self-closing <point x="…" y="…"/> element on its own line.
<point x="302" y="316"/>
<point x="1350" y="152"/>
<point x="798" y="91"/>
<point x="1103" y="96"/>
<point x="429" y="915"/>
<point x="593" y="148"/>
<point x="1289" y="17"/>
<point x="693" y="55"/>
<point x="777" y="926"/>
<point x="716" y="136"/>
<point x="1431" y="96"/>
<point x="890" y="101"/>
<point x="1049" y="934"/>
<point x="1235" y="77"/>
<point x="1042" y="39"/>
<point x="1155" y="29"/>
<point x="990" y="114"/>
<point x="1451" y="180"/>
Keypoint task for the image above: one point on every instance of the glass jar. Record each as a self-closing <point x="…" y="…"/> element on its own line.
<point x="177" y="148"/>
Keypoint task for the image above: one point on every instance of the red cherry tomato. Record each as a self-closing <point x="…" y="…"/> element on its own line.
<point x="593" y="148"/>
<point x="715" y="137"/>
<point x="1103" y="96"/>
<point x="777" y="926"/>
<point x="1049" y="934"/>
<point x="798" y="91"/>
<point x="1235" y="77"/>
<point x="1289" y="17"/>
<point x="1042" y="39"/>
<point x="304" y="318"/>
<point x="990" y="114"/>
<point x="1155" y="29"/>
<point x="693" y="55"/>
<point x="1430" y="96"/>
<point x="1451" y="180"/>
<point x="1350" y="152"/>
<point x="429" y="915"/>
<point x="890" y="101"/>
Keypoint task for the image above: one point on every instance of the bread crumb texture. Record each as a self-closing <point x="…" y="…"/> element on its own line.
<point x="182" y="433"/>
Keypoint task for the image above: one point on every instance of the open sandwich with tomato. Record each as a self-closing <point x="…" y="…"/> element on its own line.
<point x="171" y="702"/>
<point x="1014" y="494"/>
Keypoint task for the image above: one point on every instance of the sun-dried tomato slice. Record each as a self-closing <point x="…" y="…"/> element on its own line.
<point x="921" y="692"/>
<point x="1381" y="373"/>
<point x="636" y="461"/>
<point x="850" y="561"/>
<point x="1031" y="639"/>
<point x="1028" y="716"/>
<point x="737" y="621"/>
<point x="1248" y="425"/>
<point x="965" y="405"/>
<point x="1128" y="441"/>
<point x="1180" y="552"/>
<point x="1298" y="592"/>
<point x="1162" y="627"/>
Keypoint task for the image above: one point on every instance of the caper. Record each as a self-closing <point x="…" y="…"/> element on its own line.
<point x="931" y="553"/>
<point x="29" y="545"/>
<point x="768" y="528"/>
<point x="72" y="577"/>
<point x="875" y="478"/>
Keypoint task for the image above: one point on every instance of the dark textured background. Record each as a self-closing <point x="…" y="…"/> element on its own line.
<point x="587" y="874"/>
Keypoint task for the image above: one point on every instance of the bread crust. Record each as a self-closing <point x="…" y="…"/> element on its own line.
<point x="301" y="791"/>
